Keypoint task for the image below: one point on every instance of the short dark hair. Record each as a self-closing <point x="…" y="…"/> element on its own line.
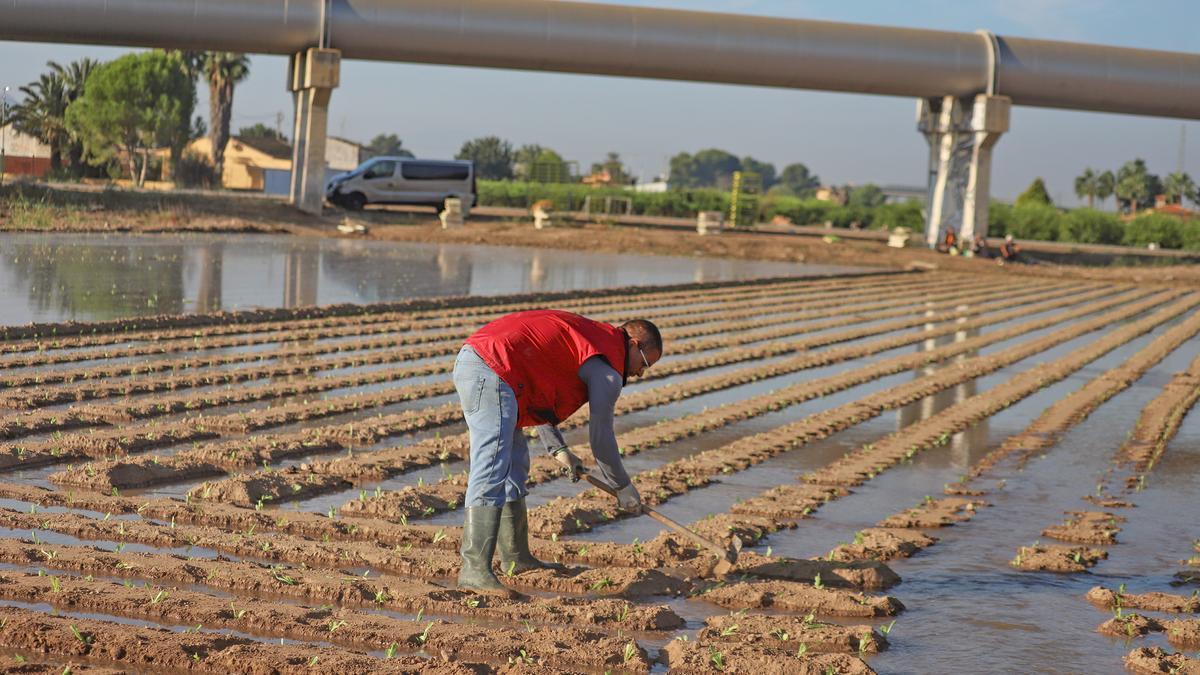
<point x="645" y="332"/>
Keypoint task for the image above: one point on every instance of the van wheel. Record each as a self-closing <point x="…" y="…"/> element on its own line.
<point x="354" y="201"/>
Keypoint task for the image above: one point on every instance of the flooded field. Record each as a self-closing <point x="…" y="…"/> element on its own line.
<point x="52" y="277"/>
<point x="930" y="472"/>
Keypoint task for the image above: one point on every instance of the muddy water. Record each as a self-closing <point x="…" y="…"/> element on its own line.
<point x="50" y="277"/>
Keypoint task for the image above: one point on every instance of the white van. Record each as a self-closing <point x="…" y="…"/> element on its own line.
<point x="403" y="180"/>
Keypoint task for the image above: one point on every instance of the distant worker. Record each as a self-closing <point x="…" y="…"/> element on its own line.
<point x="980" y="248"/>
<point x="534" y="369"/>
<point x="949" y="242"/>
<point x="1010" y="251"/>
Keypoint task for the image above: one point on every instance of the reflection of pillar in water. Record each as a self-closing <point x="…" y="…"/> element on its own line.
<point x="449" y="264"/>
<point x="700" y="276"/>
<point x="208" y="295"/>
<point x="300" y="271"/>
<point x="537" y="271"/>
<point x="930" y="343"/>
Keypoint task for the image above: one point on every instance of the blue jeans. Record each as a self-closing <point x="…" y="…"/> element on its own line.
<point x="499" y="454"/>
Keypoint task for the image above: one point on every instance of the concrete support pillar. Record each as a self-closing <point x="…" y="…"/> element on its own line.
<point x="961" y="133"/>
<point x="314" y="75"/>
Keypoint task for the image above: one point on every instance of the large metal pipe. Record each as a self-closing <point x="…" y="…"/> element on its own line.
<point x="639" y="42"/>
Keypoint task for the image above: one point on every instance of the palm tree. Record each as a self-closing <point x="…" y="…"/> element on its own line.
<point x="1087" y="185"/>
<point x="74" y="78"/>
<point x="1106" y="183"/>
<point x="223" y="70"/>
<point x="1177" y="186"/>
<point x="42" y="114"/>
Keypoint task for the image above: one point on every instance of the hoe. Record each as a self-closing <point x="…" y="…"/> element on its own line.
<point x="727" y="555"/>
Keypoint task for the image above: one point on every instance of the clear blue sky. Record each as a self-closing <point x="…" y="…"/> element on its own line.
<point x="842" y="137"/>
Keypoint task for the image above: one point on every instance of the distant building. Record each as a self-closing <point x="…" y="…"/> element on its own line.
<point x="24" y="155"/>
<point x="657" y="185"/>
<point x="833" y="194"/>
<point x="1161" y="206"/>
<point x="343" y="155"/>
<point x="265" y="164"/>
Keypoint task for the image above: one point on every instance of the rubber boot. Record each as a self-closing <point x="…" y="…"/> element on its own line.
<point x="478" y="546"/>
<point x="513" y="541"/>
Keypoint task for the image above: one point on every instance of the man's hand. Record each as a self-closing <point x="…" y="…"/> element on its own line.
<point x="629" y="499"/>
<point x="570" y="462"/>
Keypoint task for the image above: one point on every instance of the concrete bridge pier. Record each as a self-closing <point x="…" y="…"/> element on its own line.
<point x="961" y="133"/>
<point x="314" y="75"/>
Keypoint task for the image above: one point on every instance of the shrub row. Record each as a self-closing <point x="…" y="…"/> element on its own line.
<point x="1033" y="221"/>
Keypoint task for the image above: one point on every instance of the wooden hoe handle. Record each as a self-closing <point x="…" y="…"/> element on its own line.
<point x="721" y="551"/>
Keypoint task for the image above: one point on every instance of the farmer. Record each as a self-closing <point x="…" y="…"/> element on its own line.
<point x="534" y="369"/>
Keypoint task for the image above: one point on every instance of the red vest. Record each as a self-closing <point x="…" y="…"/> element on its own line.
<point x="538" y="353"/>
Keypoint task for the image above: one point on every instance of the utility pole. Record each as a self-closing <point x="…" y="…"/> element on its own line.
<point x="3" y="132"/>
<point x="1182" y="147"/>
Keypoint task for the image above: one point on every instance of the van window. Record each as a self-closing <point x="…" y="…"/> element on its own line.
<point x="429" y="171"/>
<point x="384" y="169"/>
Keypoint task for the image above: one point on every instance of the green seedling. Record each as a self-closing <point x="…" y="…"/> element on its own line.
<point x="716" y="658"/>
<point x="18" y="659"/>
<point x="381" y="597"/>
<point x="1078" y="557"/>
<point x="424" y="636"/>
<point x="284" y="579"/>
<point x="390" y="651"/>
<point x="237" y="613"/>
<point x="887" y="630"/>
<point x="471" y="602"/>
<point x="817" y="583"/>
<point x="781" y="634"/>
<point x="521" y="657"/>
<point x="630" y="652"/>
<point x="85" y="639"/>
<point x="438" y="536"/>
<point x="802" y="650"/>
<point x="55" y="585"/>
<point x="158" y="597"/>
<point x="601" y="584"/>
<point x="334" y="625"/>
<point x="512" y="567"/>
<point x="312" y="662"/>
<point x="624" y="613"/>
<point x="729" y="630"/>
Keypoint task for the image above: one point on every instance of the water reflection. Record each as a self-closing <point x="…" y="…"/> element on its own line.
<point x="968" y="445"/>
<point x="57" y="276"/>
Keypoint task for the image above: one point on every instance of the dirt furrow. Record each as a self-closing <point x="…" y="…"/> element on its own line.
<point x="162" y="649"/>
<point x="577" y="514"/>
<point x="705" y="657"/>
<point x="344" y="589"/>
<point x="446" y="494"/>
<point x="347" y="628"/>
<point x="203" y="462"/>
<point x="403" y="348"/>
<point x="425" y="563"/>
<point x="1155" y="660"/>
<point x="778" y="299"/>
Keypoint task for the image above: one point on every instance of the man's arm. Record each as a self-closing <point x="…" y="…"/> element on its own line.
<point x="604" y="386"/>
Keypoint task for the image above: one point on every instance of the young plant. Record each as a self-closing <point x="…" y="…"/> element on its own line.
<point x="334" y="625"/>
<point x="817" y="583"/>
<point x="887" y="630"/>
<point x="85" y="639"/>
<point x="424" y="636"/>
<point x="390" y="651"/>
<point x="630" y="652"/>
<point x="729" y="630"/>
<point x="600" y="585"/>
<point x="158" y="597"/>
<point x="55" y="585"/>
<point x="716" y="658"/>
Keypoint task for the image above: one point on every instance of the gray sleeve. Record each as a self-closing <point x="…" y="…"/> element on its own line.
<point x="550" y="437"/>
<point x="604" y="386"/>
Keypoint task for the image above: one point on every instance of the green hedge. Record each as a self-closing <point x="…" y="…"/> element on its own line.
<point x="1031" y="221"/>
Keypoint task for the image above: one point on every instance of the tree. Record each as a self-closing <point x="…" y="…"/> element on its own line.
<point x="1178" y="186"/>
<point x="74" y="78"/>
<point x="1135" y="186"/>
<point x="493" y="157"/>
<point x="1087" y="184"/>
<point x="42" y="114"/>
<point x="260" y="130"/>
<point x="711" y="168"/>
<point x="130" y="106"/>
<point x="1105" y="183"/>
<point x="223" y="71"/>
<point x="866" y="196"/>
<point x="1035" y="194"/>
<point x="765" y="170"/>
<point x="615" y="168"/>
<point x="524" y="158"/>
<point x="798" y="179"/>
<point x="387" y="144"/>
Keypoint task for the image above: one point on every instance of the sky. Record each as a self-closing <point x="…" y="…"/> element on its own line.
<point x="843" y="138"/>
